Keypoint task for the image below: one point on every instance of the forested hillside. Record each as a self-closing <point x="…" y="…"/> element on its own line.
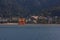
<point x="25" y="7"/>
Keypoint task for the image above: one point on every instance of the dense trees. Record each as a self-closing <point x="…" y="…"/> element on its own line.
<point x="24" y="7"/>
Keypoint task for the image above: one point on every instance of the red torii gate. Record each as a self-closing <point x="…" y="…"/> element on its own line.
<point x="21" y="21"/>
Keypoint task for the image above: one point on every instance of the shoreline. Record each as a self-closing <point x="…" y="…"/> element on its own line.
<point x="41" y="25"/>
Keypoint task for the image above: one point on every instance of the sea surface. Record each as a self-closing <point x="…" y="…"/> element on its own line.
<point x="30" y="32"/>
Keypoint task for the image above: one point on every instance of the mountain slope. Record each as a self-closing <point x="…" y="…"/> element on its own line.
<point x="25" y="7"/>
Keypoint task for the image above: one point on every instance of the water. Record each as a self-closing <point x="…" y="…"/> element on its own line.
<point x="29" y="33"/>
